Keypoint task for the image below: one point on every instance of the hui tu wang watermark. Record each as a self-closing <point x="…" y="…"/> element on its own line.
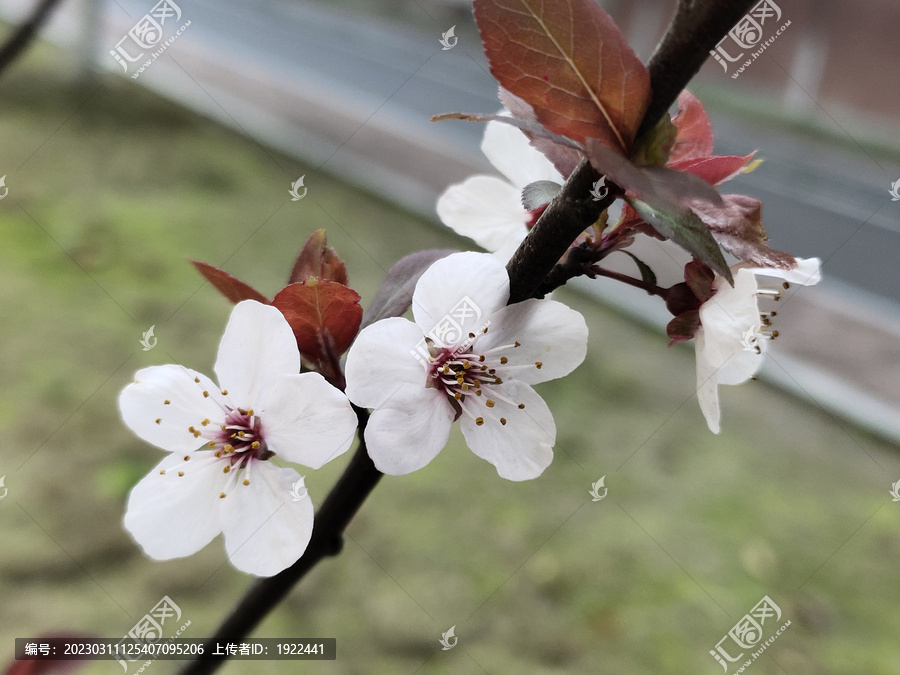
<point x="147" y="34"/>
<point x="748" y="633"/>
<point x="150" y="629"/>
<point x="450" y="332"/>
<point x="747" y="34"/>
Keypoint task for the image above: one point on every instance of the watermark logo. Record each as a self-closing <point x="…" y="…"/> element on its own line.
<point x="595" y="489"/>
<point x="4" y="490"/>
<point x="149" y="629"/>
<point x="748" y="33"/>
<point x="449" y="638"/>
<point x="298" y="490"/>
<point x="895" y="490"/>
<point x="6" y="189"/>
<point x="895" y="190"/>
<point x="449" y="39"/>
<point x="148" y="340"/>
<point x="747" y="633"/>
<point x="750" y="341"/>
<point x="451" y="331"/>
<point x="296" y="196"/>
<point x="147" y="34"/>
<point x="596" y="192"/>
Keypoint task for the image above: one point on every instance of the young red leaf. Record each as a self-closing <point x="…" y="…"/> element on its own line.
<point x="661" y="187"/>
<point x="570" y="63"/>
<point x="563" y="157"/>
<point x="699" y="279"/>
<point x="324" y="316"/>
<point x="232" y="288"/>
<point x="737" y="227"/>
<point x="683" y="327"/>
<point x="318" y="260"/>
<point x="695" y="135"/>
<point x="716" y="170"/>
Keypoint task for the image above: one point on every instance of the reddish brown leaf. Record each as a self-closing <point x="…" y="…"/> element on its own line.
<point x="699" y="279"/>
<point x="232" y="288"/>
<point x="563" y="157"/>
<point x="737" y="227"/>
<point x="714" y="170"/>
<point x="570" y="63"/>
<point x="695" y="136"/>
<point x="318" y="260"/>
<point x="324" y="316"/>
<point x="683" y="327"/>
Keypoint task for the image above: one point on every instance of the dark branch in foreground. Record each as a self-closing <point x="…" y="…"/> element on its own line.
<point x="22" y="36"/>
<point x="697" y="27"/>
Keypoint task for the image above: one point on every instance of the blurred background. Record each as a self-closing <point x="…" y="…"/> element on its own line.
<point x="114" y="181"/>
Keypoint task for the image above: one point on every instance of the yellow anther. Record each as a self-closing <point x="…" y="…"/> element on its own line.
<point x="218" y="453"/>
<point x="503" y="421"/>
<point x="471" y="335"/>
<point x="222" y="496"/>
<point x="159" y="420"/>
<point x="211" y="444"/>
<point x="457" y="395"/>
<point x="162" y="472"/>
<point x="181" y="473"/>
<point x="255" y="445"/>
<point x="167" y="402"/>
<point x="785" y="285"/>
<point x="246" y="481"/>
<point x="518" y="344"/>
<point x="466" y="365"/>
<point x="250" y="412"/>
<point x="504" y="360"/>
<point x="521" y="406"/>
<point x="478" y="392"/>
<point x="187" y="458"/>
<point x="774" y="334"/>
<point x="224" y="392"/>
<point x="205" y="394"/>
<point x="538" y="364"/>
<point x="228" y="448"/>
<point x="226" y="469"/>
<point x="204" y="423"/>
<point x="479" y="421"/>
<point x="197" y="380"/>
<point x="489" y="403"/>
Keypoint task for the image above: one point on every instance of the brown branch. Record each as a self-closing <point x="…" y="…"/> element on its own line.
<point x="22" y="36"/>
<point x="675" y="62"/>
<point x="696" y="28"/>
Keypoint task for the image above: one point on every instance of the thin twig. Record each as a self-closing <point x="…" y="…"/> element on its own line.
<point x="22" y="36"/>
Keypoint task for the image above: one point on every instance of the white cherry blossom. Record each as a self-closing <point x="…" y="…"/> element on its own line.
<point x="489" y="209"/>
<point x="734" y="334"/>
<point x="220" y="477"/>
<point x="467" y="356"/>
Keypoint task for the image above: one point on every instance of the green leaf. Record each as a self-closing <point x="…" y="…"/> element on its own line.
<point x="687" y="230"/>
<point x="647" y="274"/>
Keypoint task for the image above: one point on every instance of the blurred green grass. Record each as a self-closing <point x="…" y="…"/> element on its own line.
<point x="110" y="192"/>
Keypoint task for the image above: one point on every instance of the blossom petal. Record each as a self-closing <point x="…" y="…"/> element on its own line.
<point x="707" y="385"/>
<point x="401" y="440"/>
<point x="265" y="530"/>
<point x="307" y="420"/>
<point x="509" y="150"/>
<point x="258" y="344"/>
<point x="486" y="209"/>
<point x="523" y="447"/>
<point x="727" y="316"/>
<point x="382" y="365"/>
<point x="145" y="401"/>
<point x="174" y="516"/>
<point x="548" y="332"/>
<point x="805" y="273"/>
<point x="457" y="294"/>
<point x="742" y="365"/>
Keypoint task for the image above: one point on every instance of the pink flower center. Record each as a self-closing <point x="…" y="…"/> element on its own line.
<point x="471" y="379"/>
